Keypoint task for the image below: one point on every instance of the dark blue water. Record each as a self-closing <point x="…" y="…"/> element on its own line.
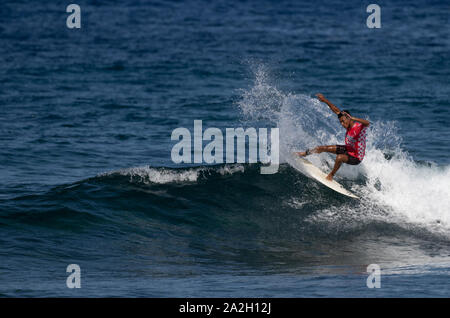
<point x="87" y="178"/>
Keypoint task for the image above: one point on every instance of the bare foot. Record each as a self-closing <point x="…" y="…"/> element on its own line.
<point x="329" y="177"/>
<point x="301" y="154"/>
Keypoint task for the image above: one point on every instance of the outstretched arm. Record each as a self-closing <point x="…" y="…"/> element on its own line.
<point x="364" y="122"/>
<point x="326" y="101"/>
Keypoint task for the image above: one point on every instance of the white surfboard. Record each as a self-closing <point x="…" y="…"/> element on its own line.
<point x="308" y="169"/>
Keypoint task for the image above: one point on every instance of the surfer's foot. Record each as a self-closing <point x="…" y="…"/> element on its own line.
<point x="303" y="153"/>
<point x="329" y="177"/>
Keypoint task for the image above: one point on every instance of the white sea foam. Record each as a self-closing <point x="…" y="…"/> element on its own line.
<point x="418" y="193"/>
<point x="147" y="174"/>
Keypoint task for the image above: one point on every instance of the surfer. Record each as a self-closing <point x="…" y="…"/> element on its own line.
<point x="352" y="153"/>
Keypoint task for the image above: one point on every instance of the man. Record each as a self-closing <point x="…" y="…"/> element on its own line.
<point x="353" y="151"/>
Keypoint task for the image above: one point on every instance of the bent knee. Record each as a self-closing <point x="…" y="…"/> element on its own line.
<point x="342" y="158"/>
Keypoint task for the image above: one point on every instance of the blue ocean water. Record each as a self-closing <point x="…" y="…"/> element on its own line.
<point x="86" y="117"/>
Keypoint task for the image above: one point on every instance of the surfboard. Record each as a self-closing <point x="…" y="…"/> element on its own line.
<point x="308" y="169"/>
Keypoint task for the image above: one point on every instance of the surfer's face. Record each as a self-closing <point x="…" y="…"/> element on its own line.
<point x="345" y="121"/>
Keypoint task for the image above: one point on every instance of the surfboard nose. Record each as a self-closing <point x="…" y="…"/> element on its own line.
<point x="308" y="169"/>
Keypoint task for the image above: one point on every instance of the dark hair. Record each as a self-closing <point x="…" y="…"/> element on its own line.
<point x="341" y="113"/>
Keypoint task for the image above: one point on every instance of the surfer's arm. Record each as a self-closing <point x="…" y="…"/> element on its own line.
<point x="326" y="101"/>
<point x="364" y="122"/>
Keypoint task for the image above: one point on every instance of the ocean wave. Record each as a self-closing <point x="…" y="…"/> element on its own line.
<point x="286" y="204"/>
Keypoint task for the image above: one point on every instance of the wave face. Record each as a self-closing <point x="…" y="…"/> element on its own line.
<point x="223" y="212"/>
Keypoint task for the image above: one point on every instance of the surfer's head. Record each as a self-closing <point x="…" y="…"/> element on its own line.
<point x="345" y="120"/>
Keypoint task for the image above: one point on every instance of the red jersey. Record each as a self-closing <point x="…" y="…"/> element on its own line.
<point x="355" y="140"/>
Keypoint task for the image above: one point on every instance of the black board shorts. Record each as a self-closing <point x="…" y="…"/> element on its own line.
<point x="342" y="150"/>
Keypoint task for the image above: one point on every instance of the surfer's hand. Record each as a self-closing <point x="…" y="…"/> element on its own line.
<point x="321" y="97"/>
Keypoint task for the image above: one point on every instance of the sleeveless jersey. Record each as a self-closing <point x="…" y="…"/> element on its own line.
<point x="355" y="141"/>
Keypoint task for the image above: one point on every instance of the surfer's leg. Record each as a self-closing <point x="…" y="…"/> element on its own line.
<point x="337" y="164"/>
<point x="320" y="149"/>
